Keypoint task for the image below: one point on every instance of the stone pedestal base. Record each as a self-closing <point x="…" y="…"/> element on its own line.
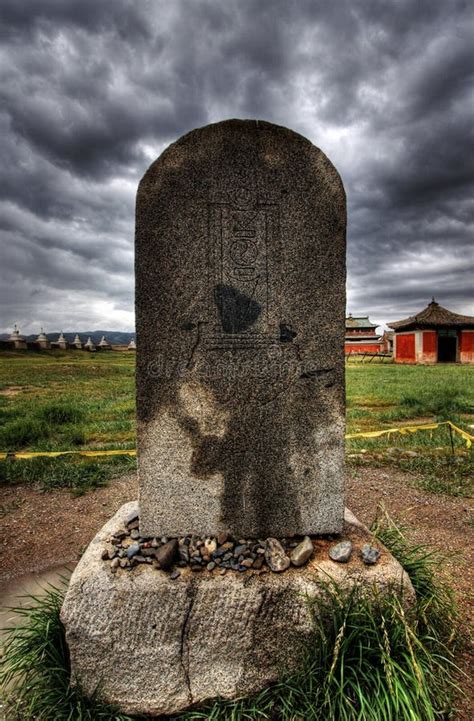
<point x="152" y="645"/>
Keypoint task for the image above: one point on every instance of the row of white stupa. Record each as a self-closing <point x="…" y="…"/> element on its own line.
<point x="43" y="342"/>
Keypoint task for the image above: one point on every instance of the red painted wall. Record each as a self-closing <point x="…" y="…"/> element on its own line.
<point x="363" y="348"/>
<point x="466" y="348"/>
<point x="429" y="341"/>
<point x="430" y="347"/>
<point x="405" y="348"/>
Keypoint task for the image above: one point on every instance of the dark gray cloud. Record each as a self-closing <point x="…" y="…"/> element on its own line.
<point x="91" y="92"/>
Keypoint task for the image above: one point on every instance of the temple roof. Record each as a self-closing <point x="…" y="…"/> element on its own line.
<point x="432" y="316"/>
<point x="359" y="321"/>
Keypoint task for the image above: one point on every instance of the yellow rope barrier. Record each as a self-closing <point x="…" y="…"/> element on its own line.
<point x="54" y="454"/>
<point x="467" y="437"/>
<point x="413" y="429"/>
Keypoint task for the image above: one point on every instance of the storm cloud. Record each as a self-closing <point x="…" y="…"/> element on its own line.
<point x="93" y="90"/>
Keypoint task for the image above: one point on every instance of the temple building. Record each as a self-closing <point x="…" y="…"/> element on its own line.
<point x="361" y="336"/>
<point x="434" y="335"/>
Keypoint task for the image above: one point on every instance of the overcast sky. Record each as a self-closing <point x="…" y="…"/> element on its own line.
<point x="91" y="91"/>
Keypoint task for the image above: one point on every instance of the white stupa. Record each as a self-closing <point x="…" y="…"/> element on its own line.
<point x="17" y="339"/>
<point x="77" y="343"/>
<point x="42" y="341"/>
<point x="104" y="344"/>
<point x="61" y="342"/>
<point x="132" y="345"/>
<point x="89" y="345"/>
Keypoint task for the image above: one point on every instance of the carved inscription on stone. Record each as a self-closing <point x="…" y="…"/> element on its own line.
<point x="241" y="231"/>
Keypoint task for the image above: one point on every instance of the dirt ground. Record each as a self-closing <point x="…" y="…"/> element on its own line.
<point x="40" y="530"/>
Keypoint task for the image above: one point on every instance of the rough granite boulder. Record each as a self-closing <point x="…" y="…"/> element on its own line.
<point x="152" y="645"/>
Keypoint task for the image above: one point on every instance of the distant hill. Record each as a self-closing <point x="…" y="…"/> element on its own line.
<point x="114" y="337"/>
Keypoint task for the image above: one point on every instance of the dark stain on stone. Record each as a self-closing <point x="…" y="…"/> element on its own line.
<point x="316" y="372"/>
<point x="188" y="326"/>
<point x="286" y="333"/>
<point x="237" y="311"/>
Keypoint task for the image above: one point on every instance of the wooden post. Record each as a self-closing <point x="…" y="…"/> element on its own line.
<point x="451" y="439"/>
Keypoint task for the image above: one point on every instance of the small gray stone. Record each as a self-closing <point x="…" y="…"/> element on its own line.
<point x="211" y="566"/>
<point x="133" y="549"/>
<point x="247" y="562"/>
<point x="369" y="554"/>
<point x="135" y="534"/>
<point x="175" y="575"/>
<point x="148" y="552"/>
<point x="227" y="546"/>
<point x="275" y="556"/>
<point x="115" y="563"/>
<point x="184" y="554"/>
<point x="302" y="552"/>
<point x="341" y="552"/>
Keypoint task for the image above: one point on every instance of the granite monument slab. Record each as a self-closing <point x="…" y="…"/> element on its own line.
<point x="240" y="312"/>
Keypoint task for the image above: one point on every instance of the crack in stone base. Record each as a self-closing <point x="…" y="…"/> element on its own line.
<point x="184" y="646"/>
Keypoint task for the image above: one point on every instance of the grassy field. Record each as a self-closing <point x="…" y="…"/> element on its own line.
<point x="63" y="400"/>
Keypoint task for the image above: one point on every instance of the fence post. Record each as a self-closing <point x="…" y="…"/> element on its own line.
<point x="451" y="439"/>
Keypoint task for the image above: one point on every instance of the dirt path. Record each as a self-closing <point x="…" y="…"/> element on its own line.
<point x="40" y="530"/>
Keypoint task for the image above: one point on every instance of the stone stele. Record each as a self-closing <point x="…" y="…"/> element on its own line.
<point x="240" y="312"/>
<point x="152" y="645"/>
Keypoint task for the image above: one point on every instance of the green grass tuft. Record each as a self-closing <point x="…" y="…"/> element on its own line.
<point x="443" y="403"/>
<point x="72" y="472"/>
<point x="21" y="432"/>
<point x="58" y="413"/>
<point x="436" y="610"/>
<point x="446" y="473"/>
